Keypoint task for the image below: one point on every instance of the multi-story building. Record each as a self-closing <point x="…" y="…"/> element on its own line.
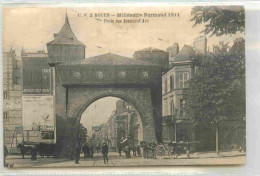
<point x="176" y="126"/>
<point x="28" y="74"/>
<point x="153" y="55"/>
<point x="112" y="130"/>
<point x="200" y="45"/>
<point x="100" y="134"/>
<point x="37" y="93"/>
<point x="124" y="123"/>
<point x="12" y="103"/>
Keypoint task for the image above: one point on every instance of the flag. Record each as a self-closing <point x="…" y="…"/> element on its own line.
<point x="162" y="39"/>
<point x="96" y="128"/>
<point x="74" y="10"/>
<point x="159" y="39"/>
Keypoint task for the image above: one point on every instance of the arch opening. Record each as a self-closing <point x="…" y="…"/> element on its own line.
<point x="111" y="119"/>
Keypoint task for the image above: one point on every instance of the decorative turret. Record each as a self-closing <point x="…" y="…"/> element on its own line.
<point x="65" y="47"/>
<point x="22" y="52"/>
<point x="153" y="55"/>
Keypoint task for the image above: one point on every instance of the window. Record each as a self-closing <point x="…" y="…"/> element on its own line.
<point x="5" y="116"/>
<point x="183" y="78"/>
<point x="196" y="69"/>
<point x="5" y="95"/>
<point x="17" y="64"/>
<point x="165" y="85"/>
<point x="182" y="106"/>
<point x="186" y="78"/>
<point x="171" y="82"/>
<point x="165" y="107"/>
<point x="172" y="107"/>
<point x="17" y="80"/>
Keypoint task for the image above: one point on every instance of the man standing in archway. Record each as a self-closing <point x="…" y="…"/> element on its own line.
<point x="105" y="152"/>
<point x="77" y="154"/>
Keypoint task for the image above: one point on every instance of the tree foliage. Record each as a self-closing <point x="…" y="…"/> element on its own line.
<point x="217" y="90"/>
<point x="219" y="20"/>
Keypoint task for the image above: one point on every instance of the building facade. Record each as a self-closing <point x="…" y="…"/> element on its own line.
<point x="176" y="127"/>
<point x="124" y="123"/>
<point x="12" y="101"/>
<point x="200" y="45"/>
<point x="22" y="76"/>
<point x="153" y="55"/>
<point x="37" y="94"/>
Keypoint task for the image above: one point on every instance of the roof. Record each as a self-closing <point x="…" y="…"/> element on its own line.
<point x="109" y="59"/>
<point x="65" y="36"/>
<point x="185" y="54"/>
<point x="36" y="55"/>
<point x="150" y="49"/>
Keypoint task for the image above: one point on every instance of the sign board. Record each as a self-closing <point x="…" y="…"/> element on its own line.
<point x="38" y="113"/>
<point x="96" y="128"/>
<point x="12" y="104"/>
<point x="36" y="75"/>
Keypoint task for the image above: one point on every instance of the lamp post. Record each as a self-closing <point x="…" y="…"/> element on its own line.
<point x="127" y="123"/>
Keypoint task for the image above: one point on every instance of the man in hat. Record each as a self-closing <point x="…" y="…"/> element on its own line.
<point x="105" y="152"/>
<point x="77" y="154"/>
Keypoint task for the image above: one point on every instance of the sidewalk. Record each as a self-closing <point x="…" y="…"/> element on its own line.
<point x="213" y="154"/>
<point x="203" y="158"/>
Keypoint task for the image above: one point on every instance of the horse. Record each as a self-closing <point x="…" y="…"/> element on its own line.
<point x="44" y="149"/>
<point x="24" y="149"/>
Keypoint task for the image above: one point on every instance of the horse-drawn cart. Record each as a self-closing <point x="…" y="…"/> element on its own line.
<point x="172" y="149"/>
<point x="34" y="148"/>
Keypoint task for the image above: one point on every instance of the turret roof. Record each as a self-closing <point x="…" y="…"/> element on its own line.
<point x="65" y="36"/>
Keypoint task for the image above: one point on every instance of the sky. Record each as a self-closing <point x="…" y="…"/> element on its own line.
<point x="32" y="28"/>
<point x="98" y="112"/>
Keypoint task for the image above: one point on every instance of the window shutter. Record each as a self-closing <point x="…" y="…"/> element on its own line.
<point x="173" y="82"/>
<point x="163" y="87"/>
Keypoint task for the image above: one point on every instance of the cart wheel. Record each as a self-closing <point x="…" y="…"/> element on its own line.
<point x="160" y="150"/>
<point x="171" y="155"/>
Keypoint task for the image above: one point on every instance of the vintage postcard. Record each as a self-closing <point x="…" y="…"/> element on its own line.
<point x="124" y="86"/>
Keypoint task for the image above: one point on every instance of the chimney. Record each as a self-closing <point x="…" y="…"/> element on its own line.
<point x="175" y="48"/>
<point x="173" y="51"/>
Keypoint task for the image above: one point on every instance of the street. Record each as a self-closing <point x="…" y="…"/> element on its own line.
<point x="208" y="158"/>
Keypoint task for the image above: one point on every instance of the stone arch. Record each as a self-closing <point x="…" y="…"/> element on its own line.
<point x="140" y="99"/>
<point x="104" y="95"/>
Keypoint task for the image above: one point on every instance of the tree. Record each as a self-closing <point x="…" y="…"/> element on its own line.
<point x="217" y="91"/>
<point x="219" y="20"/>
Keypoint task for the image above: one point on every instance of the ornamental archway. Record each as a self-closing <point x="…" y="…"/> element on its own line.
<point x="77" y="82"/>
<point x="80" y="97"/>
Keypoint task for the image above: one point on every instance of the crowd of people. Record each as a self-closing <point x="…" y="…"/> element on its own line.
<point x="149" y="150"/>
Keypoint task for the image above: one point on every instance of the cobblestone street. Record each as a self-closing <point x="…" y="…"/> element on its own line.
<point x="209" y="158"/>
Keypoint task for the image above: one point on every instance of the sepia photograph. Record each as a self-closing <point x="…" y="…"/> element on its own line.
<point x="117" y="86"/>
